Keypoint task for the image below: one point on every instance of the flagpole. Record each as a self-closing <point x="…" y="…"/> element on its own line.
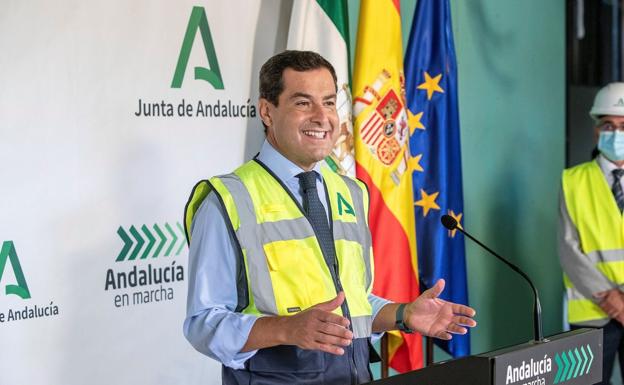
<point x="384" y="356"/>
<point x="429" y="347"/>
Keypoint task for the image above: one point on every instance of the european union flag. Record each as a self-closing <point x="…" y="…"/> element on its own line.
<point x="431" y="93"/>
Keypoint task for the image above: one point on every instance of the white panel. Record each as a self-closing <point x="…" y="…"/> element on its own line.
<point x="76" y="164"/>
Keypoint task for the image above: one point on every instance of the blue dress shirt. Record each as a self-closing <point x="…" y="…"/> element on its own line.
<point x="211" y="325"/>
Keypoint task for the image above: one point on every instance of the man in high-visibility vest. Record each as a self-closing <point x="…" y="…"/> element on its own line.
<point x="591" y="231"/>
<point x="280" y="260"/>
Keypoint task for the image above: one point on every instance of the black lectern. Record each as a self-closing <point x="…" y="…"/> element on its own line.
<point x="572" y="358"/>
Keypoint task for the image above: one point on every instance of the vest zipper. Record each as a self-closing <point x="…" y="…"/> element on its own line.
<point x="333" y="267"/>
<point x="334" y="270"/>
<point x="345" y="310"/>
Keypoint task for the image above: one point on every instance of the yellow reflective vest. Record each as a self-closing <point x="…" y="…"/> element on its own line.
<point x="285" y="271"/>
<point x="600" y="225"/>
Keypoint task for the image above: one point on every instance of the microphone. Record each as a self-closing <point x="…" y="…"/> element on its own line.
<point x="450" y="223"/>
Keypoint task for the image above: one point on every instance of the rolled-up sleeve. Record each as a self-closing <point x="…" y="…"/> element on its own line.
<point x="377" y="303"/>
<point x="211" y="325"/>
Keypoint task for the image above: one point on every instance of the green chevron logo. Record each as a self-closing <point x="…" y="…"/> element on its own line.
<point x="168" y="242"/>
<point x="573" y="363"/>
<point x="8" y="254"/>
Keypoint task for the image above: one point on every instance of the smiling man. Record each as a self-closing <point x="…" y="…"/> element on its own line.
<point x="302" y="123"/>
<point x="280" y="274"/>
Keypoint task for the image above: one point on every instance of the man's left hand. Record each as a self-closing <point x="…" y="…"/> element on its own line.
<point x="435" y="317"/>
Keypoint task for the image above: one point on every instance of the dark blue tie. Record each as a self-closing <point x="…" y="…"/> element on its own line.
<point x="316" y="214"/>
<point x="617" y="188"/>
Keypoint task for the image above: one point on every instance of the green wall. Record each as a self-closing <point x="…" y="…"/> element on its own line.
<point x="511" y="64"/>
<point x="511" y="61"/>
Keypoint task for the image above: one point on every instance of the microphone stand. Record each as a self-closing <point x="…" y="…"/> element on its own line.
<point x="538" y="334"/>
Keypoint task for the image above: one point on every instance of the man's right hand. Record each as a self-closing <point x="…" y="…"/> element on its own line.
<point x="317" y="328"/>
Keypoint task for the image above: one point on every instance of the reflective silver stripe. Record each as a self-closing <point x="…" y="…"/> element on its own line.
<point x="574" y="294"/>
<point x="358" y="202"/>
<point x="242" y="199"/>
<point x="348" y="231"/>
<point x="283" y="230"/>
<point x="362" y="326"/>
<point x="299" y="228"/>
<point x="606" y="256"/>
<point x="258" y="270"/>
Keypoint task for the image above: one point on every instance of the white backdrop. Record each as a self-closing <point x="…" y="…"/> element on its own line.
<point x="79" y="171"/>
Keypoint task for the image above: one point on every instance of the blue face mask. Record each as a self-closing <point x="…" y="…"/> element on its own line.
<point x="611" y="144"/>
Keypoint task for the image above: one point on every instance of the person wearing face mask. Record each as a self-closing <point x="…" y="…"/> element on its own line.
<point x="591" y="231"/>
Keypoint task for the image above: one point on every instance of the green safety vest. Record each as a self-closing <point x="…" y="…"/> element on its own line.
<point x="284" y="267"/>
<point x="594" y="212"/>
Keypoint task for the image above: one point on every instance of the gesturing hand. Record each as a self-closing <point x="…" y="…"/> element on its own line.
<point x="318" y="328"/>
<point x="435" y="317"/>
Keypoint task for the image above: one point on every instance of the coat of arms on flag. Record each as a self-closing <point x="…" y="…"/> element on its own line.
<point x="384" y="128"/>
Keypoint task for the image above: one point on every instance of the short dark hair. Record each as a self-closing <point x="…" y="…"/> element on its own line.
<point x="271" y="79"/>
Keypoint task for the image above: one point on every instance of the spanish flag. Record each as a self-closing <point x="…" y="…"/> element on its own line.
<point x="382" y="126"/>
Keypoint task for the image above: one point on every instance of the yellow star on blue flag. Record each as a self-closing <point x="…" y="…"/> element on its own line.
<point x="431" y="85"/>
<point x="431" y="95"/>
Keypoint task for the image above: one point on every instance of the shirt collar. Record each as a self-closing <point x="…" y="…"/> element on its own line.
<point x="605" y="164"/>
<point x="281" y="166"/>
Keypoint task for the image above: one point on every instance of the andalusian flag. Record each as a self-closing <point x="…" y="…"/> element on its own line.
<point x="382" y="129"/>
<point x="322" y="26"/>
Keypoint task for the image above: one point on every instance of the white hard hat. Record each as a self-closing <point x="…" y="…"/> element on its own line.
<point x="609" y="101"/>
